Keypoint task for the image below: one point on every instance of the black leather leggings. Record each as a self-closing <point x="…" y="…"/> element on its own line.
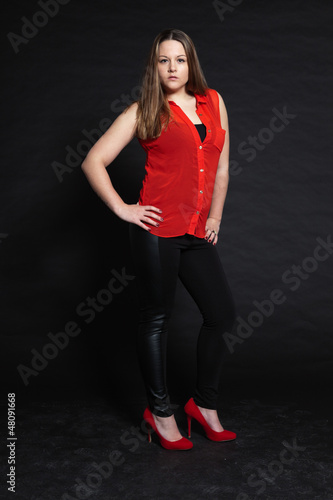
<point x="158" y="262"/>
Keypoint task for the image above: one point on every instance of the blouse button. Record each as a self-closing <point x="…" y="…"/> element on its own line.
<point x="200" y="147"/>
<point x="201" y="170"/>
<point x="200" y="114"/>
<point x="209" y="130"/>
<point x="201" y="192"/>
<point x="198" y="213"/>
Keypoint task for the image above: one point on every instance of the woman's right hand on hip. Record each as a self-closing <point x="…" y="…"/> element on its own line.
<point x="140" y="214"/>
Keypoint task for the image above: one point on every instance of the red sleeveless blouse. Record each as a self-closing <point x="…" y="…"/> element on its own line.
<point x="181" y="170"/>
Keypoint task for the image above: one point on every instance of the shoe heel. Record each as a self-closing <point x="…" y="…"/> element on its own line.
<point x="192" y="410"/>
<point x="180" y="444"/>
<point x="149" y="433"/>
<point x="189" y="425"/>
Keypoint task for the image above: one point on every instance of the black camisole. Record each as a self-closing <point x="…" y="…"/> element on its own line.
<point x="202" y="130"/>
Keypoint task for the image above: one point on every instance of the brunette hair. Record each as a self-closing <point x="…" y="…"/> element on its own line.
<point x="153" y="111"/>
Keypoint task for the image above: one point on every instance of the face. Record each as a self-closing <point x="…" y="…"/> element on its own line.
<point x="172" y="66"/>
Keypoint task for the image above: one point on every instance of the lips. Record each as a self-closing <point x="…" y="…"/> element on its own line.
<point x="173" y="78"/>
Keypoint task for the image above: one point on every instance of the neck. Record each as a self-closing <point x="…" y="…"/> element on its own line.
<point x="180" y="95"/>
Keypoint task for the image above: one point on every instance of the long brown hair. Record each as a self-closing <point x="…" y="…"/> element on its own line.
<point x="153" y="108"/>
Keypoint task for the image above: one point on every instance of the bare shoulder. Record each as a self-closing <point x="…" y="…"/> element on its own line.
<point x="216" y="96"/>
<point x="124" y="126"/>
<point x="131" y="110"/>
<point x="118" y="135"/>
<point x="223" y="111"/>
<point x="221" y="102"/>
<point x="128" y="116"/>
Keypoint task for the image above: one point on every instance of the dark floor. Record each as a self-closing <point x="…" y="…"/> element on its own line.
<point x="95" y="449"/>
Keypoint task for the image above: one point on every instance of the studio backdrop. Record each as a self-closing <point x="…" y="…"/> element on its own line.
<point x="69" y="304"/>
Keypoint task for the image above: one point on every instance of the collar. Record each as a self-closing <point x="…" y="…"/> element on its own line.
<point x="201" y="99"/>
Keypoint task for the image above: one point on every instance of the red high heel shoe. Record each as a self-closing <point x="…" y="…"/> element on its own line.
<point x="180" y="444"/>
<point x="192" y="411"/>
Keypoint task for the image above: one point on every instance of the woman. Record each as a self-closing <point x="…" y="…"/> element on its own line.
<point x="183" y="127"/>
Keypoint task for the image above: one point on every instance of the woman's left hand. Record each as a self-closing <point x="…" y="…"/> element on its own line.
<point x="212" y="230"/>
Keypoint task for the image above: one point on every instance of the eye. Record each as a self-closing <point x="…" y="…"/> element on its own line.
<point x="163" y="60"/>
<point x="181" y="60"/>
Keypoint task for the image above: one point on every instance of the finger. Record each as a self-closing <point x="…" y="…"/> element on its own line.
<point x="140" y="224"/>
<point x="155" y="209"/>
<point x="212" y="236"/>
<point x="155" y="216"/>
<point x="150" y="221"/>
<point x="208" y="232"/>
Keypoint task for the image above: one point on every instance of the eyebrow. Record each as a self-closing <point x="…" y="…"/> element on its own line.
<point x="181" y="55"/>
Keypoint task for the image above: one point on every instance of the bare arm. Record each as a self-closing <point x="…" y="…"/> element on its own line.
<point x="221" y="182"/>
<point x="101" y="155"/>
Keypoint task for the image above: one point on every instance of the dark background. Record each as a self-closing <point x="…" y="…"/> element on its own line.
<point x="59" y="243"/>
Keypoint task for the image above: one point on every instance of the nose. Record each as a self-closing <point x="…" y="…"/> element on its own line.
<point x="172" y="67"/>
